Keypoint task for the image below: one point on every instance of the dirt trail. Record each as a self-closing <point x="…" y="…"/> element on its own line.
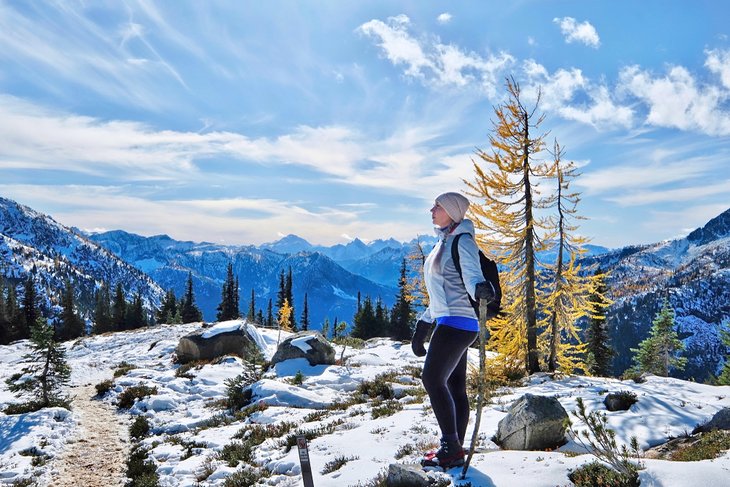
<point x="96" y="456"/>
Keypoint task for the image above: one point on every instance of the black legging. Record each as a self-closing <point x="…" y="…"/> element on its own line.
<point x="444" y="377"/>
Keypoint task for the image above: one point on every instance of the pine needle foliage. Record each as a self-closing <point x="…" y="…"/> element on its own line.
<point x="505" y="183"/>
<point x="601" y="441"/>
<point x="658" y="354"/>
<point x="47" y="370"/>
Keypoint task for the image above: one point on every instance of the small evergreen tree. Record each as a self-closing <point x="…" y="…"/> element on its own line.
<point x="102" y="310"/>
<point x="251" y="316"/>
<point x="657" y="354"/>
<point x="382" y="320"/>
<point x="228" y="307"/>
<point x="334" y="328"/>
<point x="305" y="314"/>
<point x="119" y="309"/>
<point x="325" y="327"/>
<point x="14" y="314"/>
<point x="340" y="328"/>
<point x="724" y="378"/>
<point x="364" y="323"/>
<point x="4" y="321"/>
<point x="260" y="317"/>
<point x="402" y="314"/>
<point x="72" y="326"/>
<point x="599" y="351"/>
<point x="47" y="370"/>
<point x="269" y="315"/>
<point x="190" y="313"/>
<point x="135" y="315"/>
<point x="30" y="309"/>
<point x="168" y="308"/>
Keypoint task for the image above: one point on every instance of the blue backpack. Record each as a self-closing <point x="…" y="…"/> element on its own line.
<point x="490" y="273"/>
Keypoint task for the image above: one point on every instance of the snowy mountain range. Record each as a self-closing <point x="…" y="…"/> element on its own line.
<point x="31" y="242"/>
<point x="693" y="273"/>
<point x="331" y="289"/>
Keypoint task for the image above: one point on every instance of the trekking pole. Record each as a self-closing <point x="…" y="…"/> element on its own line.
<point x="480" y="384"/>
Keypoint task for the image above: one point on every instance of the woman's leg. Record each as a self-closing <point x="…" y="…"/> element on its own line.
<point x="457" y="387"/>
<point x="446" y="352"/>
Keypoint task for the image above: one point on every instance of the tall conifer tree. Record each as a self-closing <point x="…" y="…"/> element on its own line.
<point x="102" y="310"/>
<point x="30" y="308"/>
<point x="190" y="313"/>
<point x="505" y="180"/>
<point x="119" y="309"/>
<point x="305" y="314"/>
<point x="72" y="326"/>
<point x="571" y="287"/>
<point x="599" y="351"/>
<point x="228" y="307"/>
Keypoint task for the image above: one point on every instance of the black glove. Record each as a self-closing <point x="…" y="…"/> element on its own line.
<point x="484" y="291"/>
<point x="419" y="338"/>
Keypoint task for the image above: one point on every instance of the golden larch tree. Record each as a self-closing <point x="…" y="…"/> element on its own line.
<point x="506" y="181"/>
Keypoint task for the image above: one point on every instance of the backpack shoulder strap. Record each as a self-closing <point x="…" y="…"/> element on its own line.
<point x="455" y="255"/>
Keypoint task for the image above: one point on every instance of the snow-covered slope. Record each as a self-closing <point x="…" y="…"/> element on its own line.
<point x="33" y="242"/>
<point x="189" y="431"/>
<point x="693" y="273"/>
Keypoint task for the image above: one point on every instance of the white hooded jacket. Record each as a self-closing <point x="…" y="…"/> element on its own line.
<point x="447" y="295"/>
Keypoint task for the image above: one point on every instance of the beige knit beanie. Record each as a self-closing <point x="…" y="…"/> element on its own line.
<point x="454" y="204"/>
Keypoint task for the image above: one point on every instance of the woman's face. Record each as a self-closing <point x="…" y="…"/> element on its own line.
<point x="439" y="217"/>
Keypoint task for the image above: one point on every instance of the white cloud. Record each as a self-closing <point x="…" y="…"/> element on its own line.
<point x="582" y="32"/>
<point x="433" y="62"/>
<point x="718" y="62"/>
<point x="227" y="220"/>
<point x="560" y="89"/>
<point x="678" y="100"/>
<point x="444" y="18"/>
<point x="692" y="193"/>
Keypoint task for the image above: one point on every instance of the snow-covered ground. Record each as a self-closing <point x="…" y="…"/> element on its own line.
<point x="185" y="441"/>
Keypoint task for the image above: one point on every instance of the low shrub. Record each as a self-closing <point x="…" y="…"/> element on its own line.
<point x="387" y="408"/>
<point x="123" y="368"/>
<point x="336" y="464"/>
<point x="141" y="470"/>
<point x="131" y="394"/>
<point x="378" y="387"/>
<point x="104" y="386"/>
<point x="597" y="474"/>
<point x="140" y="428"/>
<point x="246" y="477"/>
<point x="236" y="452"/>
<point x="709" y="446"/>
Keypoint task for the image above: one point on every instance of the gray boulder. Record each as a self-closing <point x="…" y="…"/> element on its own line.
<point x="310" y="345"/>
<point x="206" y="345"/>
<point x="720" y="421"/>
<point x="619" y="401"/>
<point x="533" y="423"/>
<point x="403" y="475"/>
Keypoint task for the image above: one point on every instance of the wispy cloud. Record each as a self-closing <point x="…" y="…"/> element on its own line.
<point x="575" y="31"/>
<point x="433" y="62"/>
<point x="227" y="220"/>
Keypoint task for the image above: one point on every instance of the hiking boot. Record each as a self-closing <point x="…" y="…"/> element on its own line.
<point x="451" y="454"/>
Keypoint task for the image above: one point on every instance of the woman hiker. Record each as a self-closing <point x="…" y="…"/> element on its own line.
<point x="444" y="371"/>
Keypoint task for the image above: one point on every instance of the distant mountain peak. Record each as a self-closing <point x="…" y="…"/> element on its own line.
<point x="717" y="228"/>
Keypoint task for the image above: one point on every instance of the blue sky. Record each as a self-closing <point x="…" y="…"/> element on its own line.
<point x="239" y="122"/>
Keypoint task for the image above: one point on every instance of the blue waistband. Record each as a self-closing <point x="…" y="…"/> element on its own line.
<point x="459" y="322"/>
